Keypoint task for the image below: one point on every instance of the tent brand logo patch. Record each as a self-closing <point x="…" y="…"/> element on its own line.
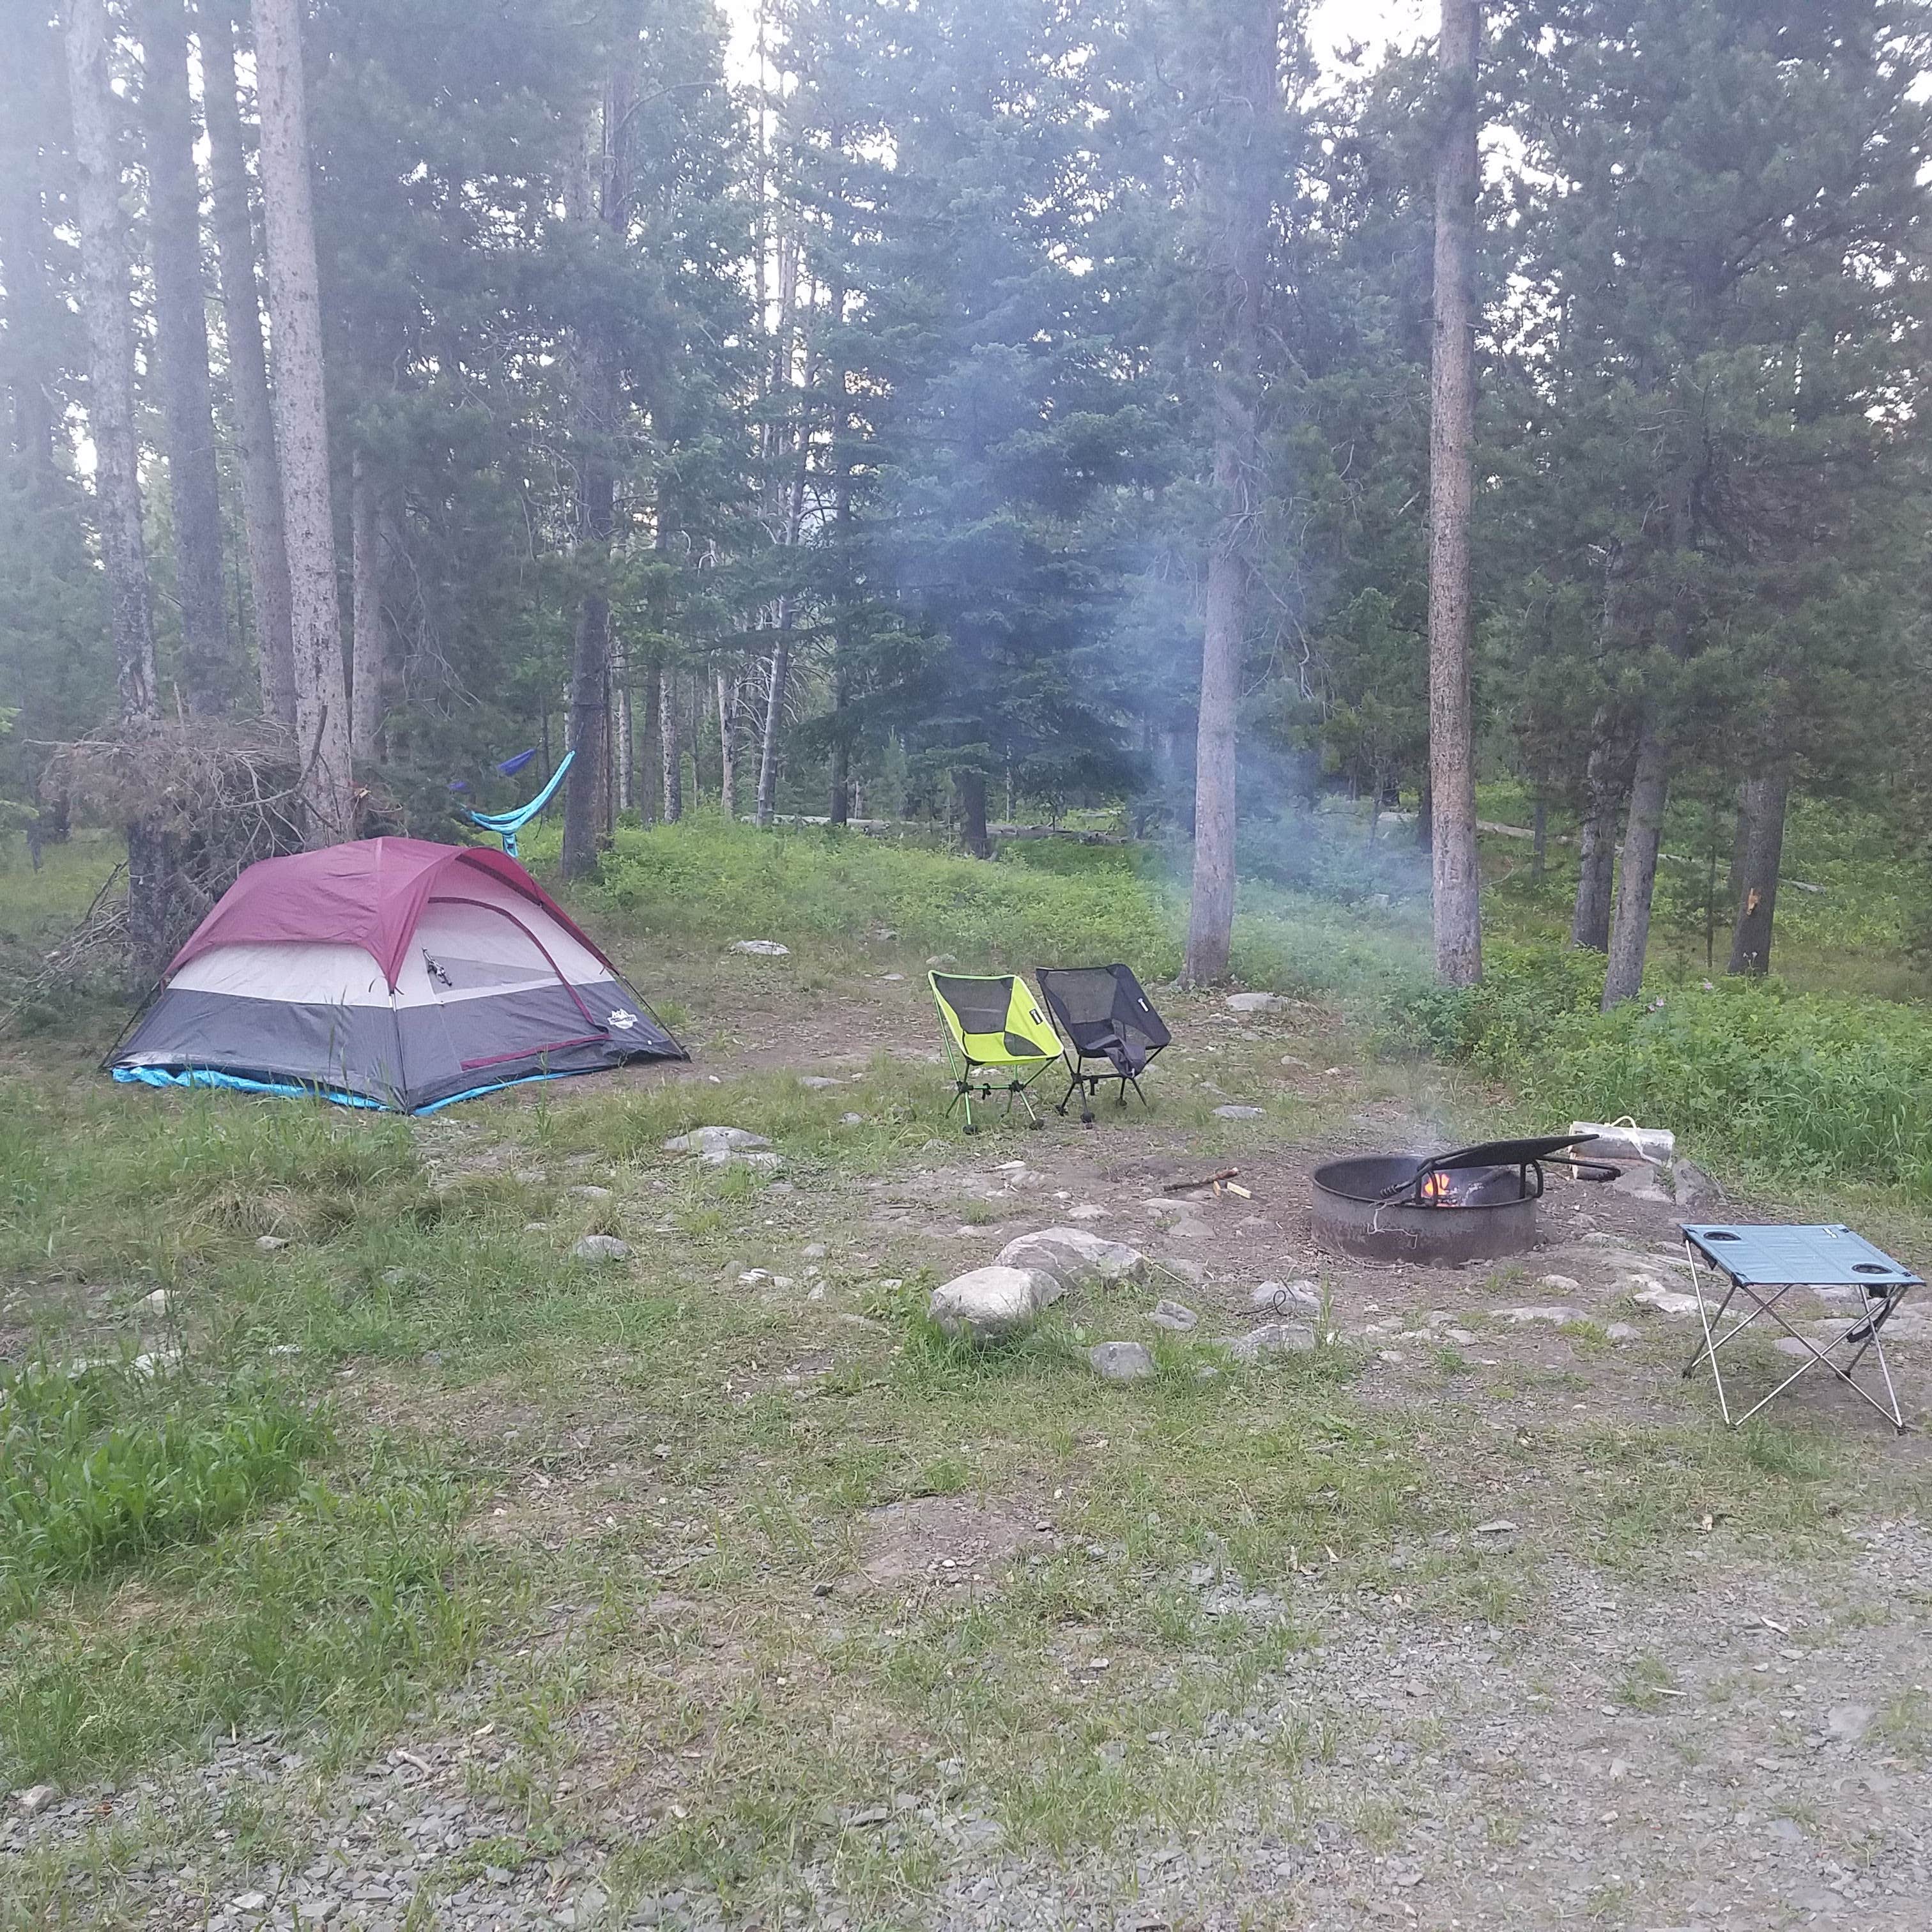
<point x="622" y="1019"/>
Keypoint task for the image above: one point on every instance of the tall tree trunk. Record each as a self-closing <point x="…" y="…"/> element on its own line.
<point x="625" y="751"/>
<point x="247" y="368"/>
<point x="1590" y="924"/>
<point x="107" y="311"/>
<point x="672" y="751"/>
<point x="1765" y="801"/>
<point x="969" y="789"/>
<point x="1210" y="912"/>
<point x="768" y="745"/>
<point x="1237" y="202"/>
<point x="730" y="689"/>
<point x="30" y="347"/>
<point x="1455" y="864"/>
<point x="1539" y="849"/>
<point x="649" y="745"/>
<point x="180" y="332"/>
<point x="365" y="579"/>
<point x="1643" y="832"/>
<point x="302" y="425"/>
<point x="584" y="787"/>
<point x="587" y="788"/>
<point x="1740" y="833"/>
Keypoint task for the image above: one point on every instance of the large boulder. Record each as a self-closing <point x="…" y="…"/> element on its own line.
<point x="987" y="1304"/>
<point x="1073" y="1258"/>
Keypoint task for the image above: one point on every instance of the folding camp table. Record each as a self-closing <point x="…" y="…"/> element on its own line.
<point x="1763" y="1264"/>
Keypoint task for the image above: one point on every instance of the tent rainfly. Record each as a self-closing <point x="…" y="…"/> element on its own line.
<point x="392" y="973"/>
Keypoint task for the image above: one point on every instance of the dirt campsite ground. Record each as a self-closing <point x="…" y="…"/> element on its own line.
<point x="742" y="1597"/>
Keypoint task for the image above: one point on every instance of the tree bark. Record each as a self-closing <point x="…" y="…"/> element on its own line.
<point x="30" y="348"/>
<point x="624" y="750"/>
<point x="180" y="343"/>
<point x="650" y="745"/>
<point x="1454" y="861"/>
<point x="730" y="689"/>
<point x="107" y="312"/>
<point x="969" y="788"/>
<point x="768" y="747"/>
<point x="1765" y="801"/>
<point x="1210" y="912"/>
<point x="1590" y="923"/>
<point x="587" y="788"/>
<point x="247" y="368"/>
<point x="1643" y="832"/>
<point x="584" y="788"/>
<point x="1539" y="849"/>
<point x="673" y="752"/>
<point x="365" y="578"/>
<point x="1237" y="204"/>
<point x="302" y="425"/>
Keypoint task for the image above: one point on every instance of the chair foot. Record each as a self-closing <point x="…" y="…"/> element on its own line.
<point x="1035" y="1123"/>
<point x="972" y="1127"/>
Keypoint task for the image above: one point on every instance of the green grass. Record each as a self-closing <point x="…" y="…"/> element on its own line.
<point x="112" y="1462"/>
<point x="336" y="1613"/>
<point x="835" y="894"/>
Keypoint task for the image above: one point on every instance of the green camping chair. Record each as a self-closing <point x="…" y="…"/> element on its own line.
<point x="993" y="1026"/>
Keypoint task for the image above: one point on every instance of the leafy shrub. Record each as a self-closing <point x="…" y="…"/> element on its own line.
<point x="103" y="1466"/>
<point x="1798" y="1088"/>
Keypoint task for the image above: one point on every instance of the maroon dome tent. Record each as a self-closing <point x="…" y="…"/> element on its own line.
<point x="391" y="973"/>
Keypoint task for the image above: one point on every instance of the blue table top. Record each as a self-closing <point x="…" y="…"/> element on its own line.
<point x="1822" y="1256"/>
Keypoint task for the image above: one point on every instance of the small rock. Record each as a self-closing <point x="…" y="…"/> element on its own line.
<point x="988" y="1302"/>
<point x="1273" y="1338"/>
<point x="1847" y="1723"/>
<point x="1556" y="1315"/>
<point x="939" y="959"/>
<point x="1501" y="1526"/>
<point x="818" y="1082"/>
<point x="1176" y="1315"/>
<point x="1622" y="1331"/>
<point x="762" y="949"/>
<point x="1254" y="1003"/>
<point x="1087" y="1210"/>
<point x="160" y="1303"/>
<point x="1665" y="1301"/>
<point x="1693" y="1188"/>
<point x="600" y="1248"/>
<point x="1279" y="1296"/>
<point x="851" y="1120"/>
<point x="34" y="1799"/>
<point x="590" y="1193"/>
<point x="1120" y="1361"/>
<point x="1560" y="1284"/>
<point x="1240" y="1113"/>
<point x="249" y="1901"/>
<point x="720" y="1147"/>
<point x="269" y="1243"/>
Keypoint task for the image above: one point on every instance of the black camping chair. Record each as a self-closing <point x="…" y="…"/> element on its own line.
<point x="1103" y="1015"/>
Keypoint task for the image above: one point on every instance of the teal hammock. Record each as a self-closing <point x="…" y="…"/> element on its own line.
<point x="507" y="824"/>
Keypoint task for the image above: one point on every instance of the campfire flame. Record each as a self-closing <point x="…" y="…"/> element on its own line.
<point x="1437" y="1188"/>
